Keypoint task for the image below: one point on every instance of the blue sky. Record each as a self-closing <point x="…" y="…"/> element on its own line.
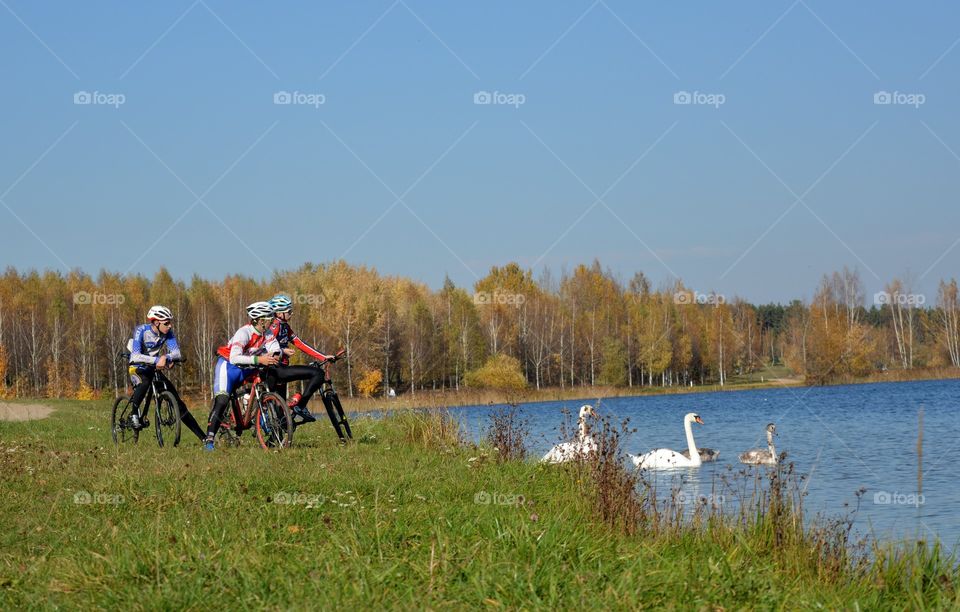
<point x="785" y="169"/>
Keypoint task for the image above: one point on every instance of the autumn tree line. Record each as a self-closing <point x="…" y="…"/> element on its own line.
<point x="61" y="335"/>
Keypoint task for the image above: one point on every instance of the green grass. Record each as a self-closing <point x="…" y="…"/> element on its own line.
<point x="766" y="374"/>
<point x="390" y="521"/>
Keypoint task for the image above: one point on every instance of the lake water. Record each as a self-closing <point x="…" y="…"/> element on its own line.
<point x="842" y="438"/>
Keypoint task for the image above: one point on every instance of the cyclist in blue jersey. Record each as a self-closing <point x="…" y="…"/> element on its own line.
<point x="146" y="362"/>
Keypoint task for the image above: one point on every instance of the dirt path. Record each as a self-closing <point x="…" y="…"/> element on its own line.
<point x="23" y="412"/>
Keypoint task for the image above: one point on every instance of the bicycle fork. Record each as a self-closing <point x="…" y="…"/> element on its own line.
<point x="331" y="401"/>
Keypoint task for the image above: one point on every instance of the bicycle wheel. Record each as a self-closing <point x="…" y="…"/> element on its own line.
<point x="167" y="419"/>
<point x="273" y="422"/>
<point x="120" y="427"/>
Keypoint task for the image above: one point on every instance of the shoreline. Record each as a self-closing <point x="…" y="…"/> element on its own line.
<point x="452" y="398"/>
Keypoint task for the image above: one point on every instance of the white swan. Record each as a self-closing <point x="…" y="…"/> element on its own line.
<point x="664" y="458"/>
<point x="584" y="445"/>
<point x="762" y="456"/>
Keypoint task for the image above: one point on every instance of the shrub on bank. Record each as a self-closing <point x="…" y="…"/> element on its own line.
<point x="500" y="372"/>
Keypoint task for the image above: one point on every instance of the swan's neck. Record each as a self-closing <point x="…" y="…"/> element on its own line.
<point x="691" y="444"/>
<point x="583" y="429"/>
<point x="773" y="451"/>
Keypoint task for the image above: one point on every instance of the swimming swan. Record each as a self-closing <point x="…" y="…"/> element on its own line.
<point x="762" y="456"/>
<point x="664" y="458"/>
<point x="584" y="445"/>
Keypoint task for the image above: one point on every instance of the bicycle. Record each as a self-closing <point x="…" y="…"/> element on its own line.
<point x="331" y="401"/>
<point x="262" y="410"/>
<point x="166" y="415"/>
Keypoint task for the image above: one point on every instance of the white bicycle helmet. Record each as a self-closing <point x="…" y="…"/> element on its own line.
<point x="159" y="313"/>
<point x="259" y="310"/>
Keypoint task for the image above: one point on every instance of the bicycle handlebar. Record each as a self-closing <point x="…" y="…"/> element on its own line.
<point x="338" y="356"/>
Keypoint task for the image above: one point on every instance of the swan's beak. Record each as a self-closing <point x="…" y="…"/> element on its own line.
<point x="698" y="419"/>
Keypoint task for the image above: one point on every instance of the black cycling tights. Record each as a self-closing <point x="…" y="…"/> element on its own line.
<point x="282" y="374"/>
<point x="220" y="403"/>
<point x="145" y="386"/>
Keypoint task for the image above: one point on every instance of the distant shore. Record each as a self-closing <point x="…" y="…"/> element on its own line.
<point x="475" y="397"/>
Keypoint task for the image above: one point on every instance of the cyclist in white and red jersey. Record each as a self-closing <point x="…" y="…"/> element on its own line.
<point x="252" y="345"/>
<point x="278" y="377"/>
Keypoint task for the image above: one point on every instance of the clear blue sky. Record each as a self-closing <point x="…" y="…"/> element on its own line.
<point x="496" y="183"/>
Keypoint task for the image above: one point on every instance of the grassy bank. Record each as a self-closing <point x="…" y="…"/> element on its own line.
<point x="404" y="517"/>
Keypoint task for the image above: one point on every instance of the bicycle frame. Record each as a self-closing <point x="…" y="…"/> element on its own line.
<point x="243" y="420"/>
<point x="157" y="387"/>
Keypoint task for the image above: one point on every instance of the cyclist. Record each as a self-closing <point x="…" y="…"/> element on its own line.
<point x="251" y="345"/>
<point x="146" y="362"/>
<point x="279" y="376"/>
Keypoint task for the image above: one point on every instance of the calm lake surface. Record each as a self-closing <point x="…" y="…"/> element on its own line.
<point x="842" y="438"/>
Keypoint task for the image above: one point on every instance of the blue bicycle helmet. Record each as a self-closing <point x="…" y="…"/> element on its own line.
<point x="281" y="303"/>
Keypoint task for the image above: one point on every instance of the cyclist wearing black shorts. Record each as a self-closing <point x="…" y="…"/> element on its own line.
<point x="277" y="377"/>
<point x="146" y="362"/>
